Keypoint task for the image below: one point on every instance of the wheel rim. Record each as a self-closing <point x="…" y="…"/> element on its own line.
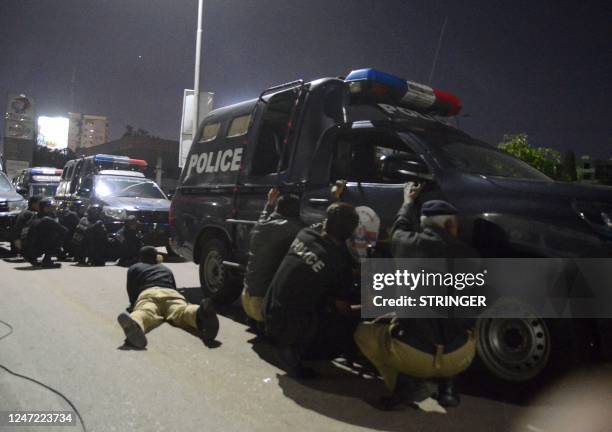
<point x="514" y="349"/>
<point x="214" y="274"/>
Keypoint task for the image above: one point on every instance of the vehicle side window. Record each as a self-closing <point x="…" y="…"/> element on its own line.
<point x="270" y="145"/>
<point x="75" y="176"/>
<point x="359" y="156"/>
<point x="210" y="132"/>
<point x="239" y="126"/>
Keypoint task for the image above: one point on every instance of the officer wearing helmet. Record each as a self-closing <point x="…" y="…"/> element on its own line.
<point x="127" y="242"/>
<point x="45" y="236"/>
<point x="307" y="308"/>
<point x="19" y="230"/>
<point x="90" y="239"/>
<point x="69" y="218"/>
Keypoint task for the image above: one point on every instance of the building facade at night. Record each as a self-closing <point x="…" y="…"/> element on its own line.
<point x="594" y="171"/>
<point x="86" y="131"/>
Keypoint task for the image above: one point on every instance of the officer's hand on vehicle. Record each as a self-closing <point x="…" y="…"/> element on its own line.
<point x="338" y="189"/>
<point x="412" y="191"/>
<point x="273" y="195"/>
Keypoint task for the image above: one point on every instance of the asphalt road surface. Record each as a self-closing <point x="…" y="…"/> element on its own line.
<point x="66" y="336"/>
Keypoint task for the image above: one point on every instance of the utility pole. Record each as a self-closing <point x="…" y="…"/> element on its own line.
<point x="435" y="61"/>
<point x="196" y="79"/>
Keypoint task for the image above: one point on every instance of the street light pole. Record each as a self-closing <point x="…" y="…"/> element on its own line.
<point x="196" y="79"/>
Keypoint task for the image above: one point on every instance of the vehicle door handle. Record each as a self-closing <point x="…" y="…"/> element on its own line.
<point x="319" y="201"/>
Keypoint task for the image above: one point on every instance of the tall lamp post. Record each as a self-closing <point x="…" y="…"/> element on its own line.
<point x="196" y="78"/>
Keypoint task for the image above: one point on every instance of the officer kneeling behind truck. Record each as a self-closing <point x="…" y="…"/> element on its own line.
<point x="421" y="348"/>
<point x="307" y="309"/>
<point x="270" y="239"/>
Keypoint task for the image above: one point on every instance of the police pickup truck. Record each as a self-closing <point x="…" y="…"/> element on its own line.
<point x="39" y="181"/>
<point x="119" y="186"/>
<point x="378" y="131"/>
<point x="11" y="204"/>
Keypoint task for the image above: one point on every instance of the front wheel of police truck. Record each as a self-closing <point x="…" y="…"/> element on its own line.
<point x="216" y="280"/>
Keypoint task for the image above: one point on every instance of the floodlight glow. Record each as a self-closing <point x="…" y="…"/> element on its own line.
<point x="53" y="132"/>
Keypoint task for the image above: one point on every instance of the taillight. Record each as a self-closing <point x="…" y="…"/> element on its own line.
<point x="171" y="219"/>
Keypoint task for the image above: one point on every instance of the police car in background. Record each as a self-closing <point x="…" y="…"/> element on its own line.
<point x="39" y="181"/>
<point x="11" y="204"/>
<point x="378" y="131"/>
<point x="119" y="186"/>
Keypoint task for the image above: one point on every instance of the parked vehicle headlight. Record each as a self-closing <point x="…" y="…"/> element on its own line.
<point x="17" y="206"/>
<point x="115" y="213"/>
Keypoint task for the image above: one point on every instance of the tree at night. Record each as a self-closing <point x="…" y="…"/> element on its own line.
<point x="544" y="159"/>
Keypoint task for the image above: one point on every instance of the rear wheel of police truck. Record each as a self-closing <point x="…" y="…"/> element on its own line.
<point x="216" y="281"/>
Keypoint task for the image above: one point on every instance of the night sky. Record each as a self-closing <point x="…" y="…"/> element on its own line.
<point x="539" y="67"/>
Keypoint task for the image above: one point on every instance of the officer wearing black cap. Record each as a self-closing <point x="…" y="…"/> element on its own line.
<point x="421" y="348"/>
<point x="307" y="308"/>
<point x="154" y="299"/>
<point x="269" y="242"/>
<point x="45" y="236"/>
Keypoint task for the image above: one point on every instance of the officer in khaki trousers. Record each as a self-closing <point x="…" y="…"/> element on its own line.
<point x="154" y="299"/>
<point x="406" y="351"/>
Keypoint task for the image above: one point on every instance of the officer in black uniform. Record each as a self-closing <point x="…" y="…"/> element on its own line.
<point x="154" y="299"/>
<point x="69" y="219"/>
<point x="45" y="236"/>
<point x="22" y="222"/>
<point x="127" y="242"/>
<point x="90" y="239"/>
<point x="421" y="348"/>
<point x="269" y="242"/>
<point x="307" y="308"/>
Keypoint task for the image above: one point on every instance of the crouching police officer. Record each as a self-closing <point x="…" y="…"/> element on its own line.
<point x="421" y="348"/>
<point x="269" y="242"/>
<point x="18" y="234"/>
<point x="44" y="236"/>
<point x="90" y="241"/>
<point x="127" y="242"/>
<point x="154" y="299"/>
<point x="307" y="309"/>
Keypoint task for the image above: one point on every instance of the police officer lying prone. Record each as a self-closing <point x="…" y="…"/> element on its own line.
<point x="307" y="310"/>
<point x="408" y="351"/>
<point x="154" y="299"/>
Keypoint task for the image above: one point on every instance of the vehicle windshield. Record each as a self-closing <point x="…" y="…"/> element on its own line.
<point x="43" y="190"/>
<point x="5" y="185"/>
<point x="472" y="157"/>
<point x="127" y="187"/>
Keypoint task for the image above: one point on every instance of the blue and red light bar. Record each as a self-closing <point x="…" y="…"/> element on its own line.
<point x="120" y="160"/>
<point x="409" y="94"/>
<point x="46" y="171"/>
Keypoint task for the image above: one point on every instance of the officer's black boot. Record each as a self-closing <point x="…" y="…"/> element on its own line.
<point x="291" y="362"/>
<point x="447" y="394"/>
<point x="407" y="391"/>
<point x="207" y="321"/>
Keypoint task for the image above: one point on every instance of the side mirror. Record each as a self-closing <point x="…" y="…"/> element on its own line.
<point x="403" y="169"/>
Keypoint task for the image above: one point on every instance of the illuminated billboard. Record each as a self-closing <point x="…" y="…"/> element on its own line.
<point x="53" y="132"/>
